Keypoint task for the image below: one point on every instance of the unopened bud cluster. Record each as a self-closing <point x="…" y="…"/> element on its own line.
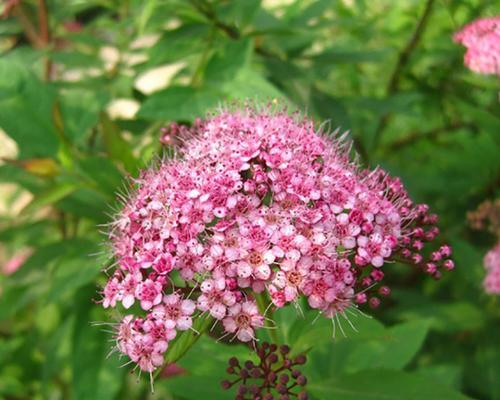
<point x="274" y="377"/>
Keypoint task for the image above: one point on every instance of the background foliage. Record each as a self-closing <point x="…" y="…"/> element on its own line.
<point x="85" y="87"/>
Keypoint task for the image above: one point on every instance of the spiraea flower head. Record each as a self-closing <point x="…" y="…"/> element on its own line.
<point x="257" y="202"/>
<point x="482" y="40"/>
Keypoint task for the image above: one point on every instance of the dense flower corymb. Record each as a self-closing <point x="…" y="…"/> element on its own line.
<point x="257" y="202"/>
<point x="482" y="40"/>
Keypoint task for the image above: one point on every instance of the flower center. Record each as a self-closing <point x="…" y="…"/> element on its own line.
<point x="255" y="258"/>
<point x="271" y="218"/>
<point x="294" y="278"/>
<point x="243" y="320"/>
<point x="286" y="204"/>
<point x="173" y="312"/>
<point x="230" y="242"/>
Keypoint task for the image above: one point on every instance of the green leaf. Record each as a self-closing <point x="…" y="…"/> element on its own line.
<point x="206" y="365"/>
<point x="338" y="56"/>
<point x="75" y="269"/>
<point x="331" y="108"/>
<point x="177" y="44"/>
<point x="228" y="61"/>
<point x="14" y="174"/>
<point x="80" y="111"/>
<point x="447" y="374"/>
<point x="103" y="173"/>
<point x="446" y="317"/>
<point x="185" y="340"/>
<point x="15" y="298"/>
<point x="118" y="149"/>
<point x="394" y="349"/>
<point x="50" y="196"/>
<point x="383" y="385"/>
<point x="87" y="203"/>
<point x="312" y="332"/>
<point x="146" y="14"/>
<point x="238" y="12"/>
<point x="249" y="84"/>
<point x="94" y="375"/>
<point x="179" y="103"/>
<point x="25" y="110"/>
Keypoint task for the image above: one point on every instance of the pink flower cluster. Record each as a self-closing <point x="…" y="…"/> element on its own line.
<point x="482" y="40"/>
<point x="257" y="203"/>
<point x="492" y="264"/>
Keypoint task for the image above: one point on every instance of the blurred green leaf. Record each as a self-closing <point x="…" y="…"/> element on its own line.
<point x="249" y="84"/>
<point x="331" y="108"/>
<point x="94" y="375"/>
<point x="103" y="173"/>
<point x="179" y="103"/>
<point x="226" y="63"/>
<point x="383" y="385"/>
<point x="185" y="340"/>
<point x="118" y="149"/>
<point x="80" y="111"/>
<point x="336" y="56"/>
<point x="78" y="267"/>
<point x="238" y="12"/>
<point x="177" y="44"/>
<point x="447" y="374"/>
<point x="25" y="110"/>
<point x="146" y="14"/>
<point x="50" y="196"/>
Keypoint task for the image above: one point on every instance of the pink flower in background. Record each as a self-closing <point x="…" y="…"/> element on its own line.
<point x="492" y="264"/>
<point x="16" y="261"/>
<point x="482" y="40"/>
<point x="258" y="201"/>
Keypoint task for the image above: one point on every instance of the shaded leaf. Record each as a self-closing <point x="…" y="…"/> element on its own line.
<point x="179" y="103"/>
<point x="383" y="385"/>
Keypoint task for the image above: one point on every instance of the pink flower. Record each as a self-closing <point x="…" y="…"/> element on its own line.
<point x="16" y="261"/>
<point x="215" y="298"/>
<point x="176" y="310"/>
<point x="128" y="289"/>
<point x="111" y="293"/>
<point x="482" y="40"/>
<point x="258" y="201"/>
<point x="242" y="319"/>
<point x="492" y="264"/>
<point x="149" y="293"/>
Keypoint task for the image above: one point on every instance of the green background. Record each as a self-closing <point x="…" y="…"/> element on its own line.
<point x="388" y="71"/>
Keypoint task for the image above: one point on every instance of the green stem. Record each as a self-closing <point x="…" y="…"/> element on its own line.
<point x="263" y="302"/>
<point x="403" y="59"/>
